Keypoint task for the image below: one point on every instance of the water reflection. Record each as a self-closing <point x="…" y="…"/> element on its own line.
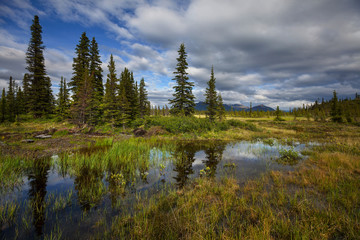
<point x="37" y="176"/>
<point x="89" y="187"/>
<point x="214" y="152"/>
<point x="89" y="175"/>
<point x="184" y="156"/>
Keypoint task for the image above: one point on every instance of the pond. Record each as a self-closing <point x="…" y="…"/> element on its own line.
<point x="71" y="194"/>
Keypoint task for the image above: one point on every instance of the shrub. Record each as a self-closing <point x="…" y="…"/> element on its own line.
<point x="288" y="157"/>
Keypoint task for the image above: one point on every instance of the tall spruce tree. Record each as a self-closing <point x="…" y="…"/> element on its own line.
<point x="80" y="65"/>
<point x="3" y="106"/>
<point x="127" y="83"/>
<point x="143" y="99"/>
<point x="124" y="108"/>
<point x="41" y="98"/>
<point x="83" y="107"/>
<point x="211" y="97"/>
<point x="111" y="104"/>
<point x="96" y="70"/>
<point x="26" y="92"/>
<point x="11" y="101"/>
<point x="183" y="102"/>
<point x="133" y="98"/>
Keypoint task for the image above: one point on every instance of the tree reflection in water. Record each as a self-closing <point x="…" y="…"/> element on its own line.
<point x="89" y="186"/>
<point x="38" y="175"/>
<point x="184" y="156"/>
<point x="214" y="152"/>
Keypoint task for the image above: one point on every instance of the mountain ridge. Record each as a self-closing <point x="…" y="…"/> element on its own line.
<point x="202" y="106"/>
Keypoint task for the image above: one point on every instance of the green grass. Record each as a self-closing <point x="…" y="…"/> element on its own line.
<point x="319" y="199"/>
<point x="11" y="172"/>
<point x="175" y="125"/>
<point x="311" y="203"/>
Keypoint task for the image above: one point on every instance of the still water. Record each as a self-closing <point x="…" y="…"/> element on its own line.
<point x="66" y="195"/>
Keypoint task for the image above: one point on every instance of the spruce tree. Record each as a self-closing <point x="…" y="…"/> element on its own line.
<point x="336" y="113"/>
<point x="3" y="106"/>
<point x="63" y="99"/>
<point x="278" y="114"/>
<point x="133" y="98"/>
<point x="96" y="70"/>
<point x="11" y="101"/>
<point x="19" y="101"/>
<point x="41" y="98"/>
<point x="250" y="110"/>
<point x="127" y="83"/>
<point x="60" y="98"/>
<point x="26" y="92"/>
<point x="211" y="97"/>
<point x="124" y="108"/>
<point x="183" y="103"/>
<point x="143" y="99"/>
<point x="220" y="107"/>
<point x="80" y="65"/>
<point x="83" y="107"/>
<point x="111" y="104"/>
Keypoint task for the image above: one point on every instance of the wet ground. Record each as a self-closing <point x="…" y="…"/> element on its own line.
<point x="57" y="198"/>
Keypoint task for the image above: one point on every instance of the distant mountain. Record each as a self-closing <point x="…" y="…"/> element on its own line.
<point x="262" y="107"/>
<point x="201" y="106"/>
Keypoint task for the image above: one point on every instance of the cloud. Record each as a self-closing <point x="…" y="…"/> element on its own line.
<point x="93" y="12"/>
<point x="19" y="11"/>
<point x="279" y="46"/>
<point x="277" y="52"/>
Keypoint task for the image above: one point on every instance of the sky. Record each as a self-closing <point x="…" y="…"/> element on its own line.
<point x="275" y="52"/>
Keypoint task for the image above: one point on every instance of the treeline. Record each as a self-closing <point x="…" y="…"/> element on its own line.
<point x="84" y="99"/>
<point x="337" y="110"/>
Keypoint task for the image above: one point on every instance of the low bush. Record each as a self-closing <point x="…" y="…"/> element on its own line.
<point x="288" y="157"/>
<point x="191" y="124"/>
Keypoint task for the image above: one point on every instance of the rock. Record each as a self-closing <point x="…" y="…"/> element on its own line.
<point x="139" y="132"/>
<point x="2" y="144"/>
<point x="43" y="136"/>
<point x="28" y="140"/>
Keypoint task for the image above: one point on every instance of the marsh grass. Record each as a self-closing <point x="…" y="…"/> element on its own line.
<point x="318" y="200"/>
<point x="8" y="212"/>
<point x="311" y="203"/>
<point x="11" y="172"/>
